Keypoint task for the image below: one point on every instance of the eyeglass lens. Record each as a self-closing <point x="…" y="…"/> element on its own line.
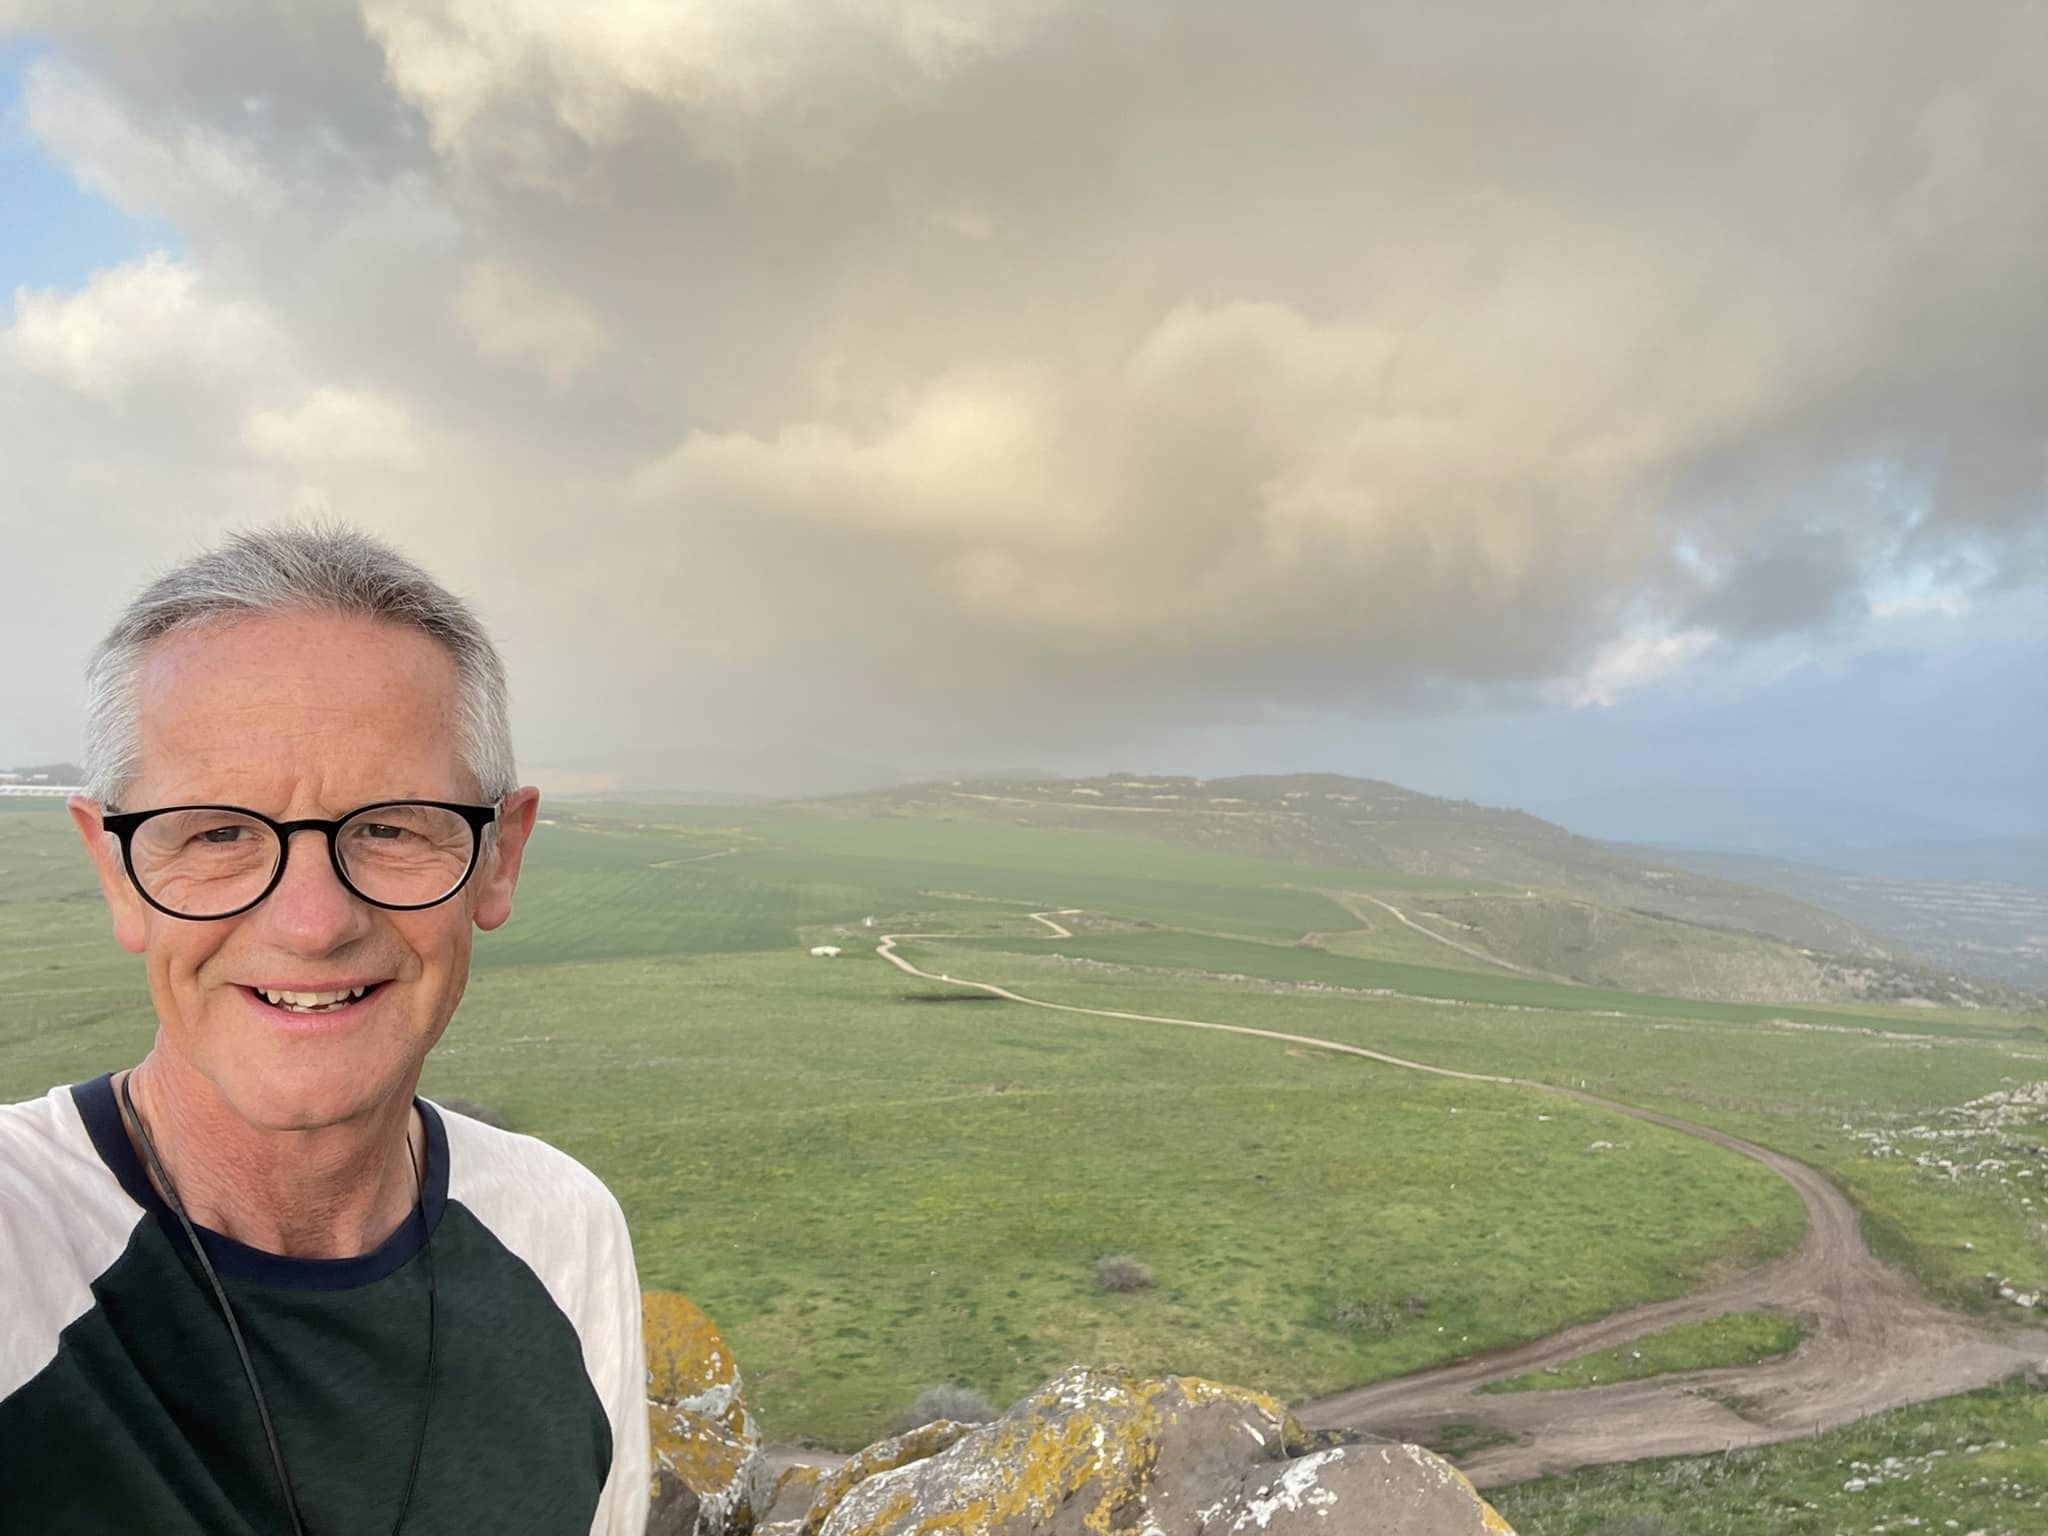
<point x="206" y="863"/>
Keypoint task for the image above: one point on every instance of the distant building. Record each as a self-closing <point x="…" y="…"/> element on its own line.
<point x="825" y="951"/>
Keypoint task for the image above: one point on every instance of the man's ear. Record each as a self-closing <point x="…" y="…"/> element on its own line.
<point x="499" y="872"/>
<point x="131" y="917"/>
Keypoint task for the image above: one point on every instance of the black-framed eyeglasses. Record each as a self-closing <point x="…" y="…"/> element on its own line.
<point x="204" y="862"/>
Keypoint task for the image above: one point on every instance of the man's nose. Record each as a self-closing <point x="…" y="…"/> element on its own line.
<point x="310" y="909"/>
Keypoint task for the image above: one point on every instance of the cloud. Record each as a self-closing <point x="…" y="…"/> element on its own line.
<point x="1796" y="580"/>
<point x="181" y="173"/>
<point x="498" y="81"/>
<point x="1917" y="605"/>
<point x="147" y="319"/>
<point x="1631" y="662"/>
<point x="508" y="315"/>
<point x="335" y="427"/>
<point x="1048" y="378"/>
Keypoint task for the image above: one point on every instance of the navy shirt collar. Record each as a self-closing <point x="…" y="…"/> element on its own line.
<point x="100" y="1111"/>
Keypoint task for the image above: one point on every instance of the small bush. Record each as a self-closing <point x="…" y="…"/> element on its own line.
<point x="963" y="1405"/>
<point x="1121" y="1272"/>
<point x="1364" y="1314"/>
<point x="475" y="1111"/>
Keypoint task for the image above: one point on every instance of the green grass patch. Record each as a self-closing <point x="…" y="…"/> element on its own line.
<point x="1974" y="1463"/>
<point x="1734" y="1338"/>
<point x="1808" y="1092"/>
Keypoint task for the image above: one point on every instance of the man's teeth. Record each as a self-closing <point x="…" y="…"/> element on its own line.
<point x="305" y="1001"/>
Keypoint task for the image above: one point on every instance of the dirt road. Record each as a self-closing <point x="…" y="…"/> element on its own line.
<point x="1444" y="939"/>
<point x="1876" y="1341"/>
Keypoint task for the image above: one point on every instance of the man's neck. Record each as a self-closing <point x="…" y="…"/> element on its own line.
<point x="332" y="1193"/>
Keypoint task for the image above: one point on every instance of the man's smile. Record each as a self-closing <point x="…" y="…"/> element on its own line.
<point x="303" y="998"/>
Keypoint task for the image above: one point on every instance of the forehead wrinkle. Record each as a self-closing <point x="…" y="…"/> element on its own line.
<point x="357" y="711"/>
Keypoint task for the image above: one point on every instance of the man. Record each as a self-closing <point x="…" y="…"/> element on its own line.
<point x="252" y="1284"/>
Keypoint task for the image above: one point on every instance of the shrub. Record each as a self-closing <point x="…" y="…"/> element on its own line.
<point x="475" y="1111"/>
<point x="963" y="1405"/>
<point x="1121" y="1272"/>
<point x="1375" y="1314"/>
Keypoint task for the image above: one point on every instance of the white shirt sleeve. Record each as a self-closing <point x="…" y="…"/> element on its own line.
<point x="622" y="1510"/>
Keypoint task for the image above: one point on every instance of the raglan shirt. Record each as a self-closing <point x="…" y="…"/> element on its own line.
<point x="124" y="1408"/>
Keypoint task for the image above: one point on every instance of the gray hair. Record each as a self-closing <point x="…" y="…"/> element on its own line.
<point x="292" y="568"/>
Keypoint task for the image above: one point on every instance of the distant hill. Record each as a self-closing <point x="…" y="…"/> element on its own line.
<point x="1785" y="821"/>
<point x="1989" y="926"/>
<point x="45" y="773"/>
<point x="1542" y="900"/>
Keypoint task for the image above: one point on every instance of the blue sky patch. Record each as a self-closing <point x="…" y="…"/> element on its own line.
<point x="55" y="233"/>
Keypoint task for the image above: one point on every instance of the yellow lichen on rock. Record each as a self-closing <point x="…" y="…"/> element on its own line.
<point x="709" y="1474"/>
<point x="883" y="1456"/>
<point x="702" y="1452"/>
<point x="685" y="1353"/>
<point x="1096" y="1453"/>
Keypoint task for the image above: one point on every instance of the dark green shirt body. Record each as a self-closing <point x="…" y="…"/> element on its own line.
<point x="123" y="1407"/>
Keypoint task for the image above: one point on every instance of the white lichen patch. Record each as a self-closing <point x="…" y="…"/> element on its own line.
<point x="1299" y="1489"/>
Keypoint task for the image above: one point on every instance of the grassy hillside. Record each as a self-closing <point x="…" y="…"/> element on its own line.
<point x="1589" y="908"/>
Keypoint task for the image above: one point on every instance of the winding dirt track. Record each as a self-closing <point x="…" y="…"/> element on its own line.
<point x="1876" y="1341"/>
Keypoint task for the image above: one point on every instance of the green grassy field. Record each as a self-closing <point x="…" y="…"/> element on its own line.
<point x="1970" y="1464"/>
<point x="874" y="1194"/>
<point x="1734" y="1338"/>
<point x="1813" y="1092"/>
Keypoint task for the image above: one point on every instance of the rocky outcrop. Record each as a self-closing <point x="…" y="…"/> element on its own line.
<point x="1093" y="1453"/>
<point x="710" y="1477"/>
<point x="919" y="1444"/>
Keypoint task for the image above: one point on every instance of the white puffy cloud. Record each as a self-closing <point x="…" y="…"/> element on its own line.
<point x="334" y="427"/>
<point x="149" y="319"/>
<point x="475" y="68"/>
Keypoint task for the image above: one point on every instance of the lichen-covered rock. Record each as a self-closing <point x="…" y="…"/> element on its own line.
<point x="1390" y="1490"/>
<point x="710" y="1476"/>
<point x="1093" y="1453"/>
<point x="883" y="1456"/>
<point x="795" y="1492"/>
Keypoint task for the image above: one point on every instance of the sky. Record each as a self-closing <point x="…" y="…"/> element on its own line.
<point x="1635" y="411"/>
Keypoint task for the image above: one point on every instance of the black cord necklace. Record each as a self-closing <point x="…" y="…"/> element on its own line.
<point x="284" y="1478"/>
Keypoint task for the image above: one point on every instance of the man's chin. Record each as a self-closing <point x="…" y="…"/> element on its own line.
<point x="309" y="1088"/>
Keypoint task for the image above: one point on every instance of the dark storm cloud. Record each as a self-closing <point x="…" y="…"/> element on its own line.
<point x="903" y="374"/>
<point x="1801" y="580"/>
